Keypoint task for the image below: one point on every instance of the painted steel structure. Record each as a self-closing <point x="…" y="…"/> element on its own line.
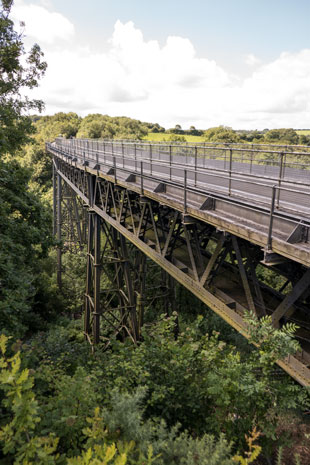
<point x="210" y="216"/>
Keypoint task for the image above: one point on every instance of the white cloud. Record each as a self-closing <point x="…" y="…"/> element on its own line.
<point x="41" y="24"/>
<point x="279" y="92"/>
<point x="252" y="60"/>
<point x="168" y="84"/>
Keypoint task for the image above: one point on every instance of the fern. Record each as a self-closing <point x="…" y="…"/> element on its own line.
<point x="253" y="452"/>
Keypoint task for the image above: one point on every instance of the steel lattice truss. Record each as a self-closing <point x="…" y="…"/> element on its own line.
<point x="126" y="226"/>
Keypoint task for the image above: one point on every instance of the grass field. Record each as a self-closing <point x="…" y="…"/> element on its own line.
<point x="160" y="137"/>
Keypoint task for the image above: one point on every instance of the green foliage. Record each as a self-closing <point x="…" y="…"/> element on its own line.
<point x="253" y="452"/>
<point x="33" y="155"/>
<point x="104" y="438"/>
<point x="221" y="134"/>
<point x="196" y="383"/>
<point x="199" y="377"/>
<point x="154" y="128"/>
<point x="154" y="442"/>
<point x="281" y="136"/>
<point x="21" y="411"/>
<point x="62" y="348"/>
<point x="176" y="130"/>
<point x="18" y="71"/>
<point x="60" y="124"/>
<point x="102" y="455"/>
<point x="25" y="221"/>
<point x="176" y="138"/>
<point x="25" y="239"/>
<point x="274" y="344"/>
<point x="98" y="126"/>
<point x="64" y="413"/>
<point x="164" y="137"/>
<point x="74" y="266"/>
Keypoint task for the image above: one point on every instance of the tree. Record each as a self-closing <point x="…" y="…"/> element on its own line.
<point x="282" y="136"/>
<point x="194" y="132"/>
<point x="304" y="139"/>
<point x="25" y="222"/>
<point x="176" y="138"/>
<point x="49" y="127"/>
<point x="96" y="126"/>
<point x="221" y="134"/>
<point x="25" y="238"/>
<point x="16" y="125"/>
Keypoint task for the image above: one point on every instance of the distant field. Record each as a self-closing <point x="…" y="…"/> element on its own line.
<point x="160" y="137"/>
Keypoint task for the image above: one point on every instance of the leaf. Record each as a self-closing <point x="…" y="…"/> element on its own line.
<point x="121" y="459"/>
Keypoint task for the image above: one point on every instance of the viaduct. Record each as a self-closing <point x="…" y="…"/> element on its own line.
<point x="212" y="217"/>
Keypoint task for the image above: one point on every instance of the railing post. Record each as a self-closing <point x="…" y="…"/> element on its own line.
<point x="141" y="175"/>
<point x="185" y="191"/>
<point x="280" y="179"/>
<point x="151" y="159"/>
<point x="123" y="154"/>
<point x="170" y="161"/>
<point x="269" y="238"/>
<point x="195" y="166"/>
<point x="230" y="170"/>
<point x="114" y="164"/>
<point x="135" y="153"/>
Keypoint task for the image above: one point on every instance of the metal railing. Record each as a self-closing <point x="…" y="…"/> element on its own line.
<point x="270" y="194"/>
<point x="243" y="173"/>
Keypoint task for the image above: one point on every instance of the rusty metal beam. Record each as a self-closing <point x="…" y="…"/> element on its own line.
<point x="291" y="298"/>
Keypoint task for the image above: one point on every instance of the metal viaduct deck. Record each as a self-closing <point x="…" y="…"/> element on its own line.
<point x="210" y="216"/>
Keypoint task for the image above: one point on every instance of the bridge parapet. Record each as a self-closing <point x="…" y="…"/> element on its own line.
<point x="254" y="194"/>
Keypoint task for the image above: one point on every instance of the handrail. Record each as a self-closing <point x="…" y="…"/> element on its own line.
<point x="202" y="145"/>
<point x="284" y="188"/>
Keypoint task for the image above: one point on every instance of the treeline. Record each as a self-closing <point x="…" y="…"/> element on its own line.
<point x="226" y="134"/>
<point x="94" y="126"/>
<point x="97" y="126"/>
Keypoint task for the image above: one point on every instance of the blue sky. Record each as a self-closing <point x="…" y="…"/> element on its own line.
<point x="239" y="63"/>
<point x="223" y="30"/>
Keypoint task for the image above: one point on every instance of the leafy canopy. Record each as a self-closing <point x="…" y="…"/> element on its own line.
<point x="19" y="71"/>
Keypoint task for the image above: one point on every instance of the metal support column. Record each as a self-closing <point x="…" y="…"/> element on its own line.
<point x="96" y="313"/>
<point x="89" y="273"/>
